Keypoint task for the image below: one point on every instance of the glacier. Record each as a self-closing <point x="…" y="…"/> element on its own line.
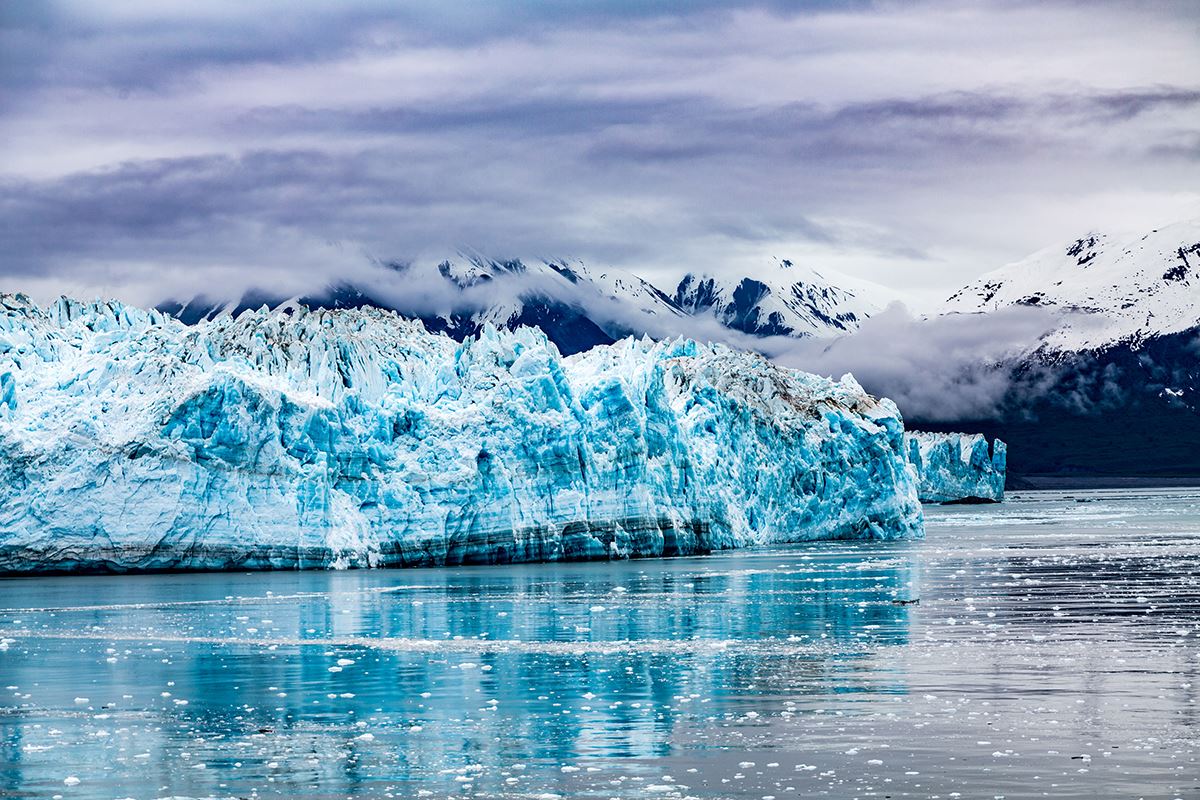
<point x="957" y="467"/>
<point x="355" y="438"/>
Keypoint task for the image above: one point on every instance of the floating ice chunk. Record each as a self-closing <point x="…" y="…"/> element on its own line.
<point x="957" y="467"/>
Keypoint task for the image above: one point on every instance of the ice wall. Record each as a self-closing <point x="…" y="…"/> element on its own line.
<point x="957" y="467"/>
<point x="129" y="441"/>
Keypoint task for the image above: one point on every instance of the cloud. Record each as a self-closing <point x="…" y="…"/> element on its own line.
<point x="938" y="369"/>
<point x="149" y="145"/>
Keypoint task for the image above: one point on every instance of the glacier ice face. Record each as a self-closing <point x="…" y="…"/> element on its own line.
<point x="957" y="467"/>
<point x="129" y="441"/>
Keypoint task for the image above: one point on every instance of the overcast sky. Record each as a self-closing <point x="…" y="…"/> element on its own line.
<point x="155" y="147"/>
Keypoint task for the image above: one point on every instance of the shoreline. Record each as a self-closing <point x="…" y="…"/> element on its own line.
<point x="1036" y="482"/>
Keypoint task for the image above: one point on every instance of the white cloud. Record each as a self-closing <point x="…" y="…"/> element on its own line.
<point x="914" y="144"/>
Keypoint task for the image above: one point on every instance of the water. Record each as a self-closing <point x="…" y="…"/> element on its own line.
<point x="1055" y="652"/>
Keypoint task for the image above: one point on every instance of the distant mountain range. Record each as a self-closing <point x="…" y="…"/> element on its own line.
<point x="784" y="300"/>
<point x="1113" y="389"/>
<point x="1120" y="290"/>
<point x="578" y="306"/>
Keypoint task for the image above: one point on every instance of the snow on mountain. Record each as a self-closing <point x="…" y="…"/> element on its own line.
<point x="577" y="306"/>
<point x="1113" y="387"/>
<point x="515" y="284"/>
<point x="297" y="438"/>
<point x="786" y="299"/>
<point x="1120" y="289"/>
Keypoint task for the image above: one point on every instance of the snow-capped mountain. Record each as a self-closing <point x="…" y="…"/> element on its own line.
<point x="1114" y="387"/>
<point x="786" y="299"/>
<point x="577" y="306"/>
<point x="1122" y="289"/>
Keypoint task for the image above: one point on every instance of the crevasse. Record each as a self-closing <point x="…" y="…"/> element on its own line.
<point x="355" y="438"/>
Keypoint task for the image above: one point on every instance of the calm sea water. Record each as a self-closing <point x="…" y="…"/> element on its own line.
<point x="1055" y="652"/>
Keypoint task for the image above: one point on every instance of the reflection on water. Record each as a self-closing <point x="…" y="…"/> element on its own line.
<point x="1054" y="652"/>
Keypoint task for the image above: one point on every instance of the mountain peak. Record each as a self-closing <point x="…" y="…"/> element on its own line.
<point x="787" y="299"/>
<point x="1129" y="288"/>
<point x="579" y="306"/>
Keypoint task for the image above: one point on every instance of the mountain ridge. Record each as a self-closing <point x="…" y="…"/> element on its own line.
<point x="578" y="306"/>
<point x="1113" y="389"/>
<point x="1111" y="289"/>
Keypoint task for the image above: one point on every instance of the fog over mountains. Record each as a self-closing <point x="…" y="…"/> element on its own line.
<point x="580" y="306"/>
<point x="1052" y="353"/>
<point x="1085" y="357"/>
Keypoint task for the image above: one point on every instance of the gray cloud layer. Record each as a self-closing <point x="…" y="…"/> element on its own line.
<point x="939" y="369"/>
<point x="150" y="149"/>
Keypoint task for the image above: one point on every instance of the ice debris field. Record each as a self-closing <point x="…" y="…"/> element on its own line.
<point x="1053" y="653"/>
<point x="353" y="438"/>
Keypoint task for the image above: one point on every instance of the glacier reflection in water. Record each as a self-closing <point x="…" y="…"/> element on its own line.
<point x="1055" y="652"/>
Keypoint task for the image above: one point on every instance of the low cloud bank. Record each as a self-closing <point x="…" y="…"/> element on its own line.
<point x="939" y="369"/>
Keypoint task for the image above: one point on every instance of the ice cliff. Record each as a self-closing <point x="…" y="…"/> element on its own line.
<point x="129" y="441"/>
<point x="957" y="467"/>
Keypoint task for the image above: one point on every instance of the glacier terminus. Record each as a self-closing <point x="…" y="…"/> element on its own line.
<point x="957" y="467"/>
<point x="355" y="438"/>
